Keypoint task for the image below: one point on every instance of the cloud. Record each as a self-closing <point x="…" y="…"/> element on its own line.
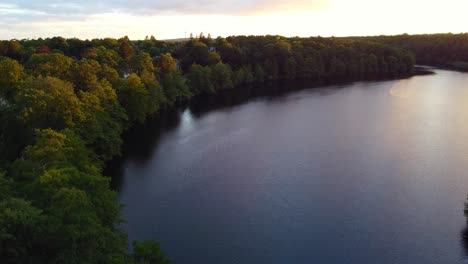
<point x="11" y="10"/>
<point x="32" y="18"/>
<point x="74" y="8"/>
<point x="172" y="18"/>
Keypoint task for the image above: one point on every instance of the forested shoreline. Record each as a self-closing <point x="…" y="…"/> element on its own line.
<point x="440" y="50"/>
<point x="66" y="102"/>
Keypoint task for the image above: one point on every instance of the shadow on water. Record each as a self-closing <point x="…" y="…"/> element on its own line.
<point x="273" y="91"/>
<point x="141" y="140"/>
<point x="230" y="98"/>
<point x="464" y="242"/>
<point x="464" y="237"/>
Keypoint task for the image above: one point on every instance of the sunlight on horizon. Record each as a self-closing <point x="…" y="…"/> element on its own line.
<point x="276" y="17"/>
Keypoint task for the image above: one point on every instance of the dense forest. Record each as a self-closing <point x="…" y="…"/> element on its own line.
<point x="441" y="50"/>
<point x="66" y="102"/>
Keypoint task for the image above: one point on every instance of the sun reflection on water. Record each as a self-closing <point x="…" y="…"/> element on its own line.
<point x="401" y="89"/>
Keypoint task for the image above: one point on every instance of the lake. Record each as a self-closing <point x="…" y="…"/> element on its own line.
<point x="368" y="172"/>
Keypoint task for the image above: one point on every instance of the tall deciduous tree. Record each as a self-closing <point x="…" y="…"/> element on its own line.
<point x="200" y="79"/>
<point x="10" y="77"/>
<point x="49" y="102"/>
<point x="125" y="49"/>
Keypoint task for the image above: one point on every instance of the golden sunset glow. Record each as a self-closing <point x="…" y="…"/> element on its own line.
<point x="223" y="18"/>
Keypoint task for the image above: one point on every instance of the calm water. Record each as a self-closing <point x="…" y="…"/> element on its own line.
<point x="370" y="172"/>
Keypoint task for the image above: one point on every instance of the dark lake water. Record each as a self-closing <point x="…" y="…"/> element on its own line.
<point x="369" y="172"/>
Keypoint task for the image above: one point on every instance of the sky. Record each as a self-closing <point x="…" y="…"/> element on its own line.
<point x="170" y="19"/>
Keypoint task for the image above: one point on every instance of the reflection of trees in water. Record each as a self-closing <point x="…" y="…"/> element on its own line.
<point x="226" y="99"/>
<point x="230" y="98"/>
<point x="464" y="240"/>
<point x="140" y="142"/>
<point x="464" y="234"/>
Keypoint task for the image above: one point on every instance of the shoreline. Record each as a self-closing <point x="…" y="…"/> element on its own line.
<point x="204" y="103"/>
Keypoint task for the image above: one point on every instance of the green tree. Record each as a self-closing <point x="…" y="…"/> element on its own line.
<point x="104" y="120"/>
<point x="22" y="227"/>
<point x="148" y="252"/>
<point x="156" y="97"/>
<point x="59" y="174"/>
<point x="85" y="74"/>
<point x="10" y="77"/>
<point x="393" y="66"/>
<point x="167" y="64"/>
<point x="49" y="102"/>
<point x="15" y="50"/>
<point x="290" y="68"/>
<point x="242" y="76"/>
<point x="373" y="65"/>
<point x="133" y="96"/>
<point x="337" y="68"/>
<point x="272" y="69"/>
<point x="80" y="236"/>
<point x="109" y="73"/>
<point x="50" y="65"/>
<point x="259" y="73"/>
<point x="6" y="190"/>
<point x="142" y="64"/>
<point x="222" y="76"/>
<point x="197" y="53"/>
<point x="199" y="79"/>
<point x="230" y="54"/>
<point x="213" y="58"/>
<point x="175" y="87"/>
<point x="125" y="49"/>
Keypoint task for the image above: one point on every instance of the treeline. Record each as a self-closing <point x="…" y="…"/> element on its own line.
<point x="442" y="50"/>
<point x="64" y="104"/>
<point x="259" y="59"/>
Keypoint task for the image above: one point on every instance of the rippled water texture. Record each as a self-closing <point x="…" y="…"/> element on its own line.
<point x="370" y="172"/>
